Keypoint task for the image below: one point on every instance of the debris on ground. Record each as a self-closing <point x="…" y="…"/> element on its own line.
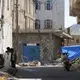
<point x="33" y="63"/>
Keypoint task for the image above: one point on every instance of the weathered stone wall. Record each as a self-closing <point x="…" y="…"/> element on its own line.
<point x="47" y="44"/>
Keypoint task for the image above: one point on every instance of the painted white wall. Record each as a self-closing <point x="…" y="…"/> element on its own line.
<point x="7" y="28"/>
<point x="7" y="37"/>
<point x="56" y="14"/>
<point x="7" y="32"/>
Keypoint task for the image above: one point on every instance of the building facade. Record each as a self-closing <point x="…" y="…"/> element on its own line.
<point x="29" y="32"/>
<point x="50" y="14"/>
<point x="5" y="26"/>
<point x="26" y="15"/>
<point x="39" y="21"/>
<point x="75" y="29"/>
<point x="26" y="22"/>
<point x="26" y="19"/>
<point x="50" y="19"/>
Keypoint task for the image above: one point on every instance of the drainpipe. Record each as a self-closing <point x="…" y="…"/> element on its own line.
<point x="17" y="32"/>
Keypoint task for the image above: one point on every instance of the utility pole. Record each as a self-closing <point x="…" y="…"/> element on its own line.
<point x="17" y="32"/>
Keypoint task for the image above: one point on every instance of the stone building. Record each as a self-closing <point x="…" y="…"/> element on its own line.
<point x="74" y="31"/>
<point x="75" y="28"/>
<point x="50" y="19"/>
<point x="50" y="36"/>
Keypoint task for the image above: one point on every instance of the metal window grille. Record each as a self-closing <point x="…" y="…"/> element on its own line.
<point x="48" y="24"/>
<point x="38" y="5"/>
<point x="48" y="5"/>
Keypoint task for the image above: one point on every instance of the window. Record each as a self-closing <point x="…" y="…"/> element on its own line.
<point x="77" y="40"/>
<point x="38" y="5"/>
<point x="37" y="24"/>
<point x="48" y="5"/>
<point x="48" y="24"/>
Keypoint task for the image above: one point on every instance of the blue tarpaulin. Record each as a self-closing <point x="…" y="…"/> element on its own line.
<point x="73" y="51"/>
<point x="32" y="53"/>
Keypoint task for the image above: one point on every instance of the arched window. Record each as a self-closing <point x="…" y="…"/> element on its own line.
<point x="38" y="5"/>
<point x="48" y="5"/>
<point x="37" y="24"/>
<point x="48" y="24"/>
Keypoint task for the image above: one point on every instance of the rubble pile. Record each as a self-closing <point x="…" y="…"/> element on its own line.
<point x="33" y="63"/>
